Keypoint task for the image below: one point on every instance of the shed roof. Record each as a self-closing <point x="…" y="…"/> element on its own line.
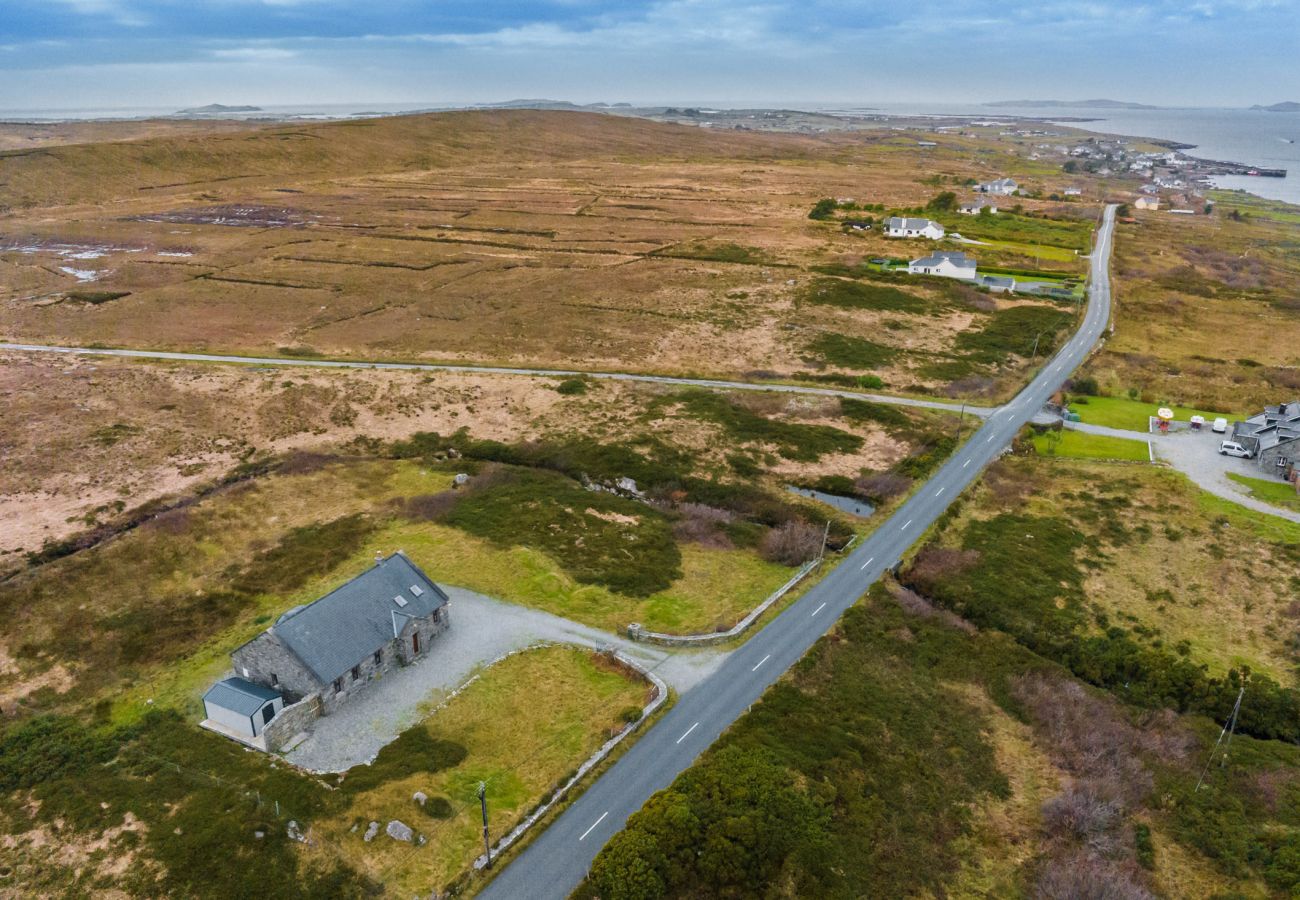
<point x="334" y="633"/>
<point x="239" y="695"/>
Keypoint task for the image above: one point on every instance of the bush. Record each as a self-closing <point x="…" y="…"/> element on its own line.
<point x="47" y="748"/>
<point x="886" y="414"/>
<point x="850" y="352"/>
<point x="823" y="209"/>
<point x="1085" y="385"/>
<point x="572" y="386"/>
<point x="793" y="543"/>
<point x="858" y="295"/>
<point x="414" y="751"/>
<point x="439" y="808"/>
<point x="1022" y="330"/>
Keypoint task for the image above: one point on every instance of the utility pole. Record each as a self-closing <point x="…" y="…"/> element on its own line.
<point x="825" y="537"/>
<point x="1229" y="729"/>
<point x="482" y="799"/>
<point x="961" y="420"/>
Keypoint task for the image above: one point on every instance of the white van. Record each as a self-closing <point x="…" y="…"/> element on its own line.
<point x="1232" y="448"/>
<point x="1220" y="425"/>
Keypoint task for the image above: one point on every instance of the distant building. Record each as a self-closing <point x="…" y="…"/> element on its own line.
<point x="1147" y="203"/>
<point x="1002" y="187"/>
<point x="1074" y="192"/>
<point x="944" y="263"/>
<point x="976" y="207"/>
<point x="1273" y="437"/>
<point x="1150" y="189"/>
<point x="900" y="226"/>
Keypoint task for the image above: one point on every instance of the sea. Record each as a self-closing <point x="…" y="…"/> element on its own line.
<point x="1249" y="136"/>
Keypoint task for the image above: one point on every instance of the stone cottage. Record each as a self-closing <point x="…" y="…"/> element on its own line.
<point x="319" y="654"/>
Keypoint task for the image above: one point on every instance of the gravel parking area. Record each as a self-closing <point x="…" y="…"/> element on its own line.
<point x="1196" y="455"/>
<point x="482" y="631"/>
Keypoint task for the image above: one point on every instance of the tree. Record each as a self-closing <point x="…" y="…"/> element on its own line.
<point x="1070" y="166"/>
<point x="944" y="202"/>
<point x="1122" y="211"/>
<point x="823" y="209"/>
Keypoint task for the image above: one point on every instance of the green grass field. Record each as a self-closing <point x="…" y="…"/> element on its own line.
<point x="1133" y="415"/>
<point x="1279" y="493"/>
<point x="1079" y="445"/>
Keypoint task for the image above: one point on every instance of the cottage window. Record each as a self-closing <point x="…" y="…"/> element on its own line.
<point x="415" y="642"/>
<point x="338" y="685"/>
<point x="379" y="656"/>
<point x="275" y="680"/>
<point x="356" y="673"/>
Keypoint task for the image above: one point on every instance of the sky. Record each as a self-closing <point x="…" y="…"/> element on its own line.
<point x="78" y="54"/>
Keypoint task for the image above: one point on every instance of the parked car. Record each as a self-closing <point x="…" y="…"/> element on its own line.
<point x="1220" y="425"/>
<point x="1232" y="448"/>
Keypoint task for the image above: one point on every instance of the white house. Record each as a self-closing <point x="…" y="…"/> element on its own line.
<point x="900" y="226"/>
<point x="1147" y="202"/>
<point x="974" y="209"/>
<point x="945" y="263"/>
<point x="1074" y="192"/>
<point x="1003" y="187"/>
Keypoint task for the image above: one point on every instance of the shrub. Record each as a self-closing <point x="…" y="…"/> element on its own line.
<point x="1085" y="385"/>
<point x="572" y="386"/>
<point x="793" y="543"/>
<point x="890" y="416"/>
<point x="858" y="295"/>
<point x="882" y="487"/>
<point x="823" y="209"/>
<point x="414" y="751"/>
<point x="1022" y="330"/>
<point x="439" y="808"/>
<point x="850" y="352"/>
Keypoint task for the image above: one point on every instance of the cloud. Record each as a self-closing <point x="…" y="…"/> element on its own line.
<point x="255" y="54"/>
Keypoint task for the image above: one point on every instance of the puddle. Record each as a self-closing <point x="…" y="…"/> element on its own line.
<point x="851" y="505"/>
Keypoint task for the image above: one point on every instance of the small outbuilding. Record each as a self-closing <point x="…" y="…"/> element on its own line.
<point x="241" y="706"/>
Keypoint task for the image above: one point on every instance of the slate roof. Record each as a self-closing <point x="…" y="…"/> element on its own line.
<point x="903" y="222"/>
<point x="956" y="257"/>
<point x="334" y="633"/>
<point x="1276" y="425"/>
<point x="1001" y="281"/>
<point x="239" y="696"/>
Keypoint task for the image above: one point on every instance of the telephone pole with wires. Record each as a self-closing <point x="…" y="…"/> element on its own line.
<point x="1229" y="729"/>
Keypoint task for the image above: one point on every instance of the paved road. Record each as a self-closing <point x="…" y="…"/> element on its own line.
<point x="979" y="411"/>
<point x="557" y="861"/>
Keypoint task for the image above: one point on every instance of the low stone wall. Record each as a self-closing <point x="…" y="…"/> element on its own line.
<point x="704" y="639"/>
<point x="661" y="695"/>
<point x="291" y="721"/>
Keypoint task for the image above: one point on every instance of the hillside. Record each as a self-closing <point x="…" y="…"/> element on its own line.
<point x="182" y="163"/>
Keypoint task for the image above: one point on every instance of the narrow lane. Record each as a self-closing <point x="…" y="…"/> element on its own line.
<point x="557" y="861"/>
<point x="713" y="383"/>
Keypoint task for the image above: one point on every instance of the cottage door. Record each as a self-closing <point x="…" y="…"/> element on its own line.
<point x="268" y="713"/>
<point x="415" y="642"/>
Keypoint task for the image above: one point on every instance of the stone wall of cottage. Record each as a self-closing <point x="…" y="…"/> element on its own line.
<point x="267" y="661"/>
<point x="291" y="721"/>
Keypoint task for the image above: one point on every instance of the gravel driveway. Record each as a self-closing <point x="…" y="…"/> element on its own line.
<point x="482" y="630"/>
<point x="1196" y="455"/>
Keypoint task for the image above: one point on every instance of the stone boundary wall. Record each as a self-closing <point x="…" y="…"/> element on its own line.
<point x="291" y="721"/>
<point x="660" y="697"/>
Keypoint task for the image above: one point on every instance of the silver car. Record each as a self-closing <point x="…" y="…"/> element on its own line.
<point x="1232" y="448"/>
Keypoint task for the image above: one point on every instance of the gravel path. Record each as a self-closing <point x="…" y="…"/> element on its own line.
<point x="1196" y="455"/>
<point x="482" y="631"/>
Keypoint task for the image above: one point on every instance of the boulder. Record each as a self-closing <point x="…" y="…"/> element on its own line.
<point x="371" y="830"/>
<point x="295" y="833"/>
<point x="420" y="797"/>
<point x="400" y="831"/>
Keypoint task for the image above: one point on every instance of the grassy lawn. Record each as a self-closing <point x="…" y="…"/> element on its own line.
<point x="717" y="587"/>
<point x="1132" y="415"/>
<point x="1279" y="493"/>
<point x="520" y="747"/>
<point x="1079" y="445"/>
<point x="1043" y="251"/>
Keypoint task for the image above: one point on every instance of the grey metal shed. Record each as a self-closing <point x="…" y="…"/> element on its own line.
<point x="241" y="706"/>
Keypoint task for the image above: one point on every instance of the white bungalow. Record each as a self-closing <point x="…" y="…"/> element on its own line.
<point x="1002" y="187"/>
<point x="944" y="263"/>
<point x="975" y="208"/>
<point x="1147" y="202"/>
<point x="899" y="226"/>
